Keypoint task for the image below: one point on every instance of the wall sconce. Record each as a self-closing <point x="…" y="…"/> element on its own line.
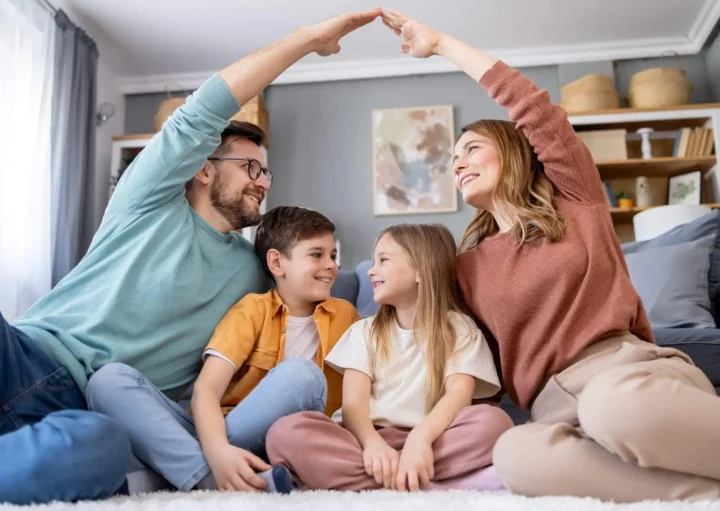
<point x="105" y="111"/>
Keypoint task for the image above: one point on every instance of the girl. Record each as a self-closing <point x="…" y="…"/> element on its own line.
<point x="410" y="374"/>
<point x="614" y="416"/>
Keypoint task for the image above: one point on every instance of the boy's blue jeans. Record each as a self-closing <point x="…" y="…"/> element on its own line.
<point x="51" y="447"/>
<point x="162" y="433"/>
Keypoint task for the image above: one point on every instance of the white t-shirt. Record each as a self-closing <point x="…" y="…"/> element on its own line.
<point x="398" y="391"/>
<point x="301" y="340"/>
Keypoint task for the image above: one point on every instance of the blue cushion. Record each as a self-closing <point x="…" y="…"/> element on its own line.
<point x="672" y="283"/>
<point x="701" y="345"/>
<point x="345" y="286"/>
<point x="700" y="228"/>
<point x="365" y="303"/>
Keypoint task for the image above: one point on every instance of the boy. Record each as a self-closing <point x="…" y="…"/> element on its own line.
<point x="263" y="362"/>
<point x="298" y="322"/>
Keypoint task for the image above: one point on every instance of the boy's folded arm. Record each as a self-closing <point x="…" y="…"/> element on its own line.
<point x="459" y="389"/>
<point x="356" y="406"/>
<point x="210" y="386"/>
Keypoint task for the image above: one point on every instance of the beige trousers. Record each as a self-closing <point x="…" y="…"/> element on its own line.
<point x="628" y="421"/>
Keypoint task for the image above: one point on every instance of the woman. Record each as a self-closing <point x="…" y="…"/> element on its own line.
<point x="614" y="416"/>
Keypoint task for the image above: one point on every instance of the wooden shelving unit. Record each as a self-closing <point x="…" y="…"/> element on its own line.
<point x="621" y="215"/>
<point x="653" y="167"/>
<point x="621" y="175"/>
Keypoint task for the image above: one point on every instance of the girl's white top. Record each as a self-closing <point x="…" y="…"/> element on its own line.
<point x="399" y="386"/>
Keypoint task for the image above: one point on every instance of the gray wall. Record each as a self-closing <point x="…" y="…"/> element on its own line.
<point x="321" y="147"/>
<point x="321" y="151"/>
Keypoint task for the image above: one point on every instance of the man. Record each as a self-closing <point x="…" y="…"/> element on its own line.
<point x="163" y="269"/>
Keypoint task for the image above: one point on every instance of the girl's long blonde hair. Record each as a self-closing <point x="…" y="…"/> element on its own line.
<point x="432" y="252"/>
<point x="523" y="191"/>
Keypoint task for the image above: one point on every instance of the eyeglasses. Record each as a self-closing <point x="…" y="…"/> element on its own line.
<point x="252" y="166"/>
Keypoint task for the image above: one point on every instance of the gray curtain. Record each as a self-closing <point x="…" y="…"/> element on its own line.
<point x="73" y="145"/>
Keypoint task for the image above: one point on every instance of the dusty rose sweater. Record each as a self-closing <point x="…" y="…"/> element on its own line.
<point x="545" y="302"/>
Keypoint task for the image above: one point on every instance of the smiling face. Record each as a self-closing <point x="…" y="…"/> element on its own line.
<point x="395" y="282"/>
<point x="233" y="193"/>
<point x="310" y="270"/>
<point x="477" y="169"/>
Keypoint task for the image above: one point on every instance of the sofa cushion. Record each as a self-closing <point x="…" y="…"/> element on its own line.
<point x="672" y="282"/>
<point x="345" y="286"/>
<point x="701" y="345"/>
<point x="365" y="303"/>
<point x="706" y="225"/>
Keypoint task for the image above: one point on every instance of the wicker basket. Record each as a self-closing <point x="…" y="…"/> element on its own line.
<point x="659" y="87"/>
<point x="256" y="112"/>
<point x="166" y="109"/>
<point x="591" y="92"/>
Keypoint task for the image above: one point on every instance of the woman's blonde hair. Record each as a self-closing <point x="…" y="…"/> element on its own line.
<point x="523" y="191"/>
<point x="432" y="252"/>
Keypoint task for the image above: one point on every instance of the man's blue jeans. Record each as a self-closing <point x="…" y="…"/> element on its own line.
<point x="163" y="434"/>
<point x="51" y="447"/>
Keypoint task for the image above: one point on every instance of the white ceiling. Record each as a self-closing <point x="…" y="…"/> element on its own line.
<point x="186" y="40"/>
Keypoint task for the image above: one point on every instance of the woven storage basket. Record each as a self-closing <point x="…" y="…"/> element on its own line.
<point x="256" y="112"/>
<point x="591" y="92"/>
<point x="166" y="109"/>
<point x="659" y="87"/>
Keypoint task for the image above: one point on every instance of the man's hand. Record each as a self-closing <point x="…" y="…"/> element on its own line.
<point x="325" y="36"/>
<point x="234" y="469"/>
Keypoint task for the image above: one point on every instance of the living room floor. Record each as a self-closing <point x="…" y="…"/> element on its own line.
<point x="377" y="500"/>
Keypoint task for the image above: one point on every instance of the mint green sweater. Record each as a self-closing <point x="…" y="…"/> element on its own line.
<point x="157" y="278"/>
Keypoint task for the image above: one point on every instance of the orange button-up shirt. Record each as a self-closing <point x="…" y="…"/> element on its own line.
<point x="252" y="337"/>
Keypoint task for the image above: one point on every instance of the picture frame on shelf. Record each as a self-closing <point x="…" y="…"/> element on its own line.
<point x="685" y="188"/>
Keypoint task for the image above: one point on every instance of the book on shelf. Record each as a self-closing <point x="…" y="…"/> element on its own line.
<point x="694" y="143"/>
<point x="612" y="200"/>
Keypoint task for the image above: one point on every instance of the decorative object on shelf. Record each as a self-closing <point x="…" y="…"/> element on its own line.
<point x="656" y="221"/>
<point x="624" y="200"/>
<point x="256" y="112"/>
<point x="643" y="195"/>
<point x="659" y="87"/>
<point x="646" y="147"/>
<point x="591" y="92"/>
<point x="606" y="145"/>
<point x="412" y="160"/>
<point x="167" y="107"/>
<point x="104" y="112"/>
<point x="685" y="188"/>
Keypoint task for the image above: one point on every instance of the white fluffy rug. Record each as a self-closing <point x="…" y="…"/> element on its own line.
<point x="376" y="500"/>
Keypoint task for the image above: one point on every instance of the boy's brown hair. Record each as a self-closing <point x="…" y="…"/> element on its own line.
<point x="283" y="227"/>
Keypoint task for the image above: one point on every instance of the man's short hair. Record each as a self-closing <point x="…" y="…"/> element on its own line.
<point x="244" y="131"/>
<point x="283" y="227"/>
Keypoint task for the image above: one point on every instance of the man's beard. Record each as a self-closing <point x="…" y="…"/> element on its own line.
<point x="233" y="207"/>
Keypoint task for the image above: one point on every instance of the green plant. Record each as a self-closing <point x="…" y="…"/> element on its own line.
<point x="622" y="194"/>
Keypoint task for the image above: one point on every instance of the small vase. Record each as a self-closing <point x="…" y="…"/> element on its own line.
<point x="643" y="197"/>
<point x="625" y="203"/>
<point x="646" y="147"/>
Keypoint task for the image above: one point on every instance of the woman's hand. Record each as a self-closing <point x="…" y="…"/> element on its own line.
<point x="421" y="41"/>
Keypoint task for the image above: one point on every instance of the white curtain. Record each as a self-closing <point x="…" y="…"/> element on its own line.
<point x="27" y="37"/>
